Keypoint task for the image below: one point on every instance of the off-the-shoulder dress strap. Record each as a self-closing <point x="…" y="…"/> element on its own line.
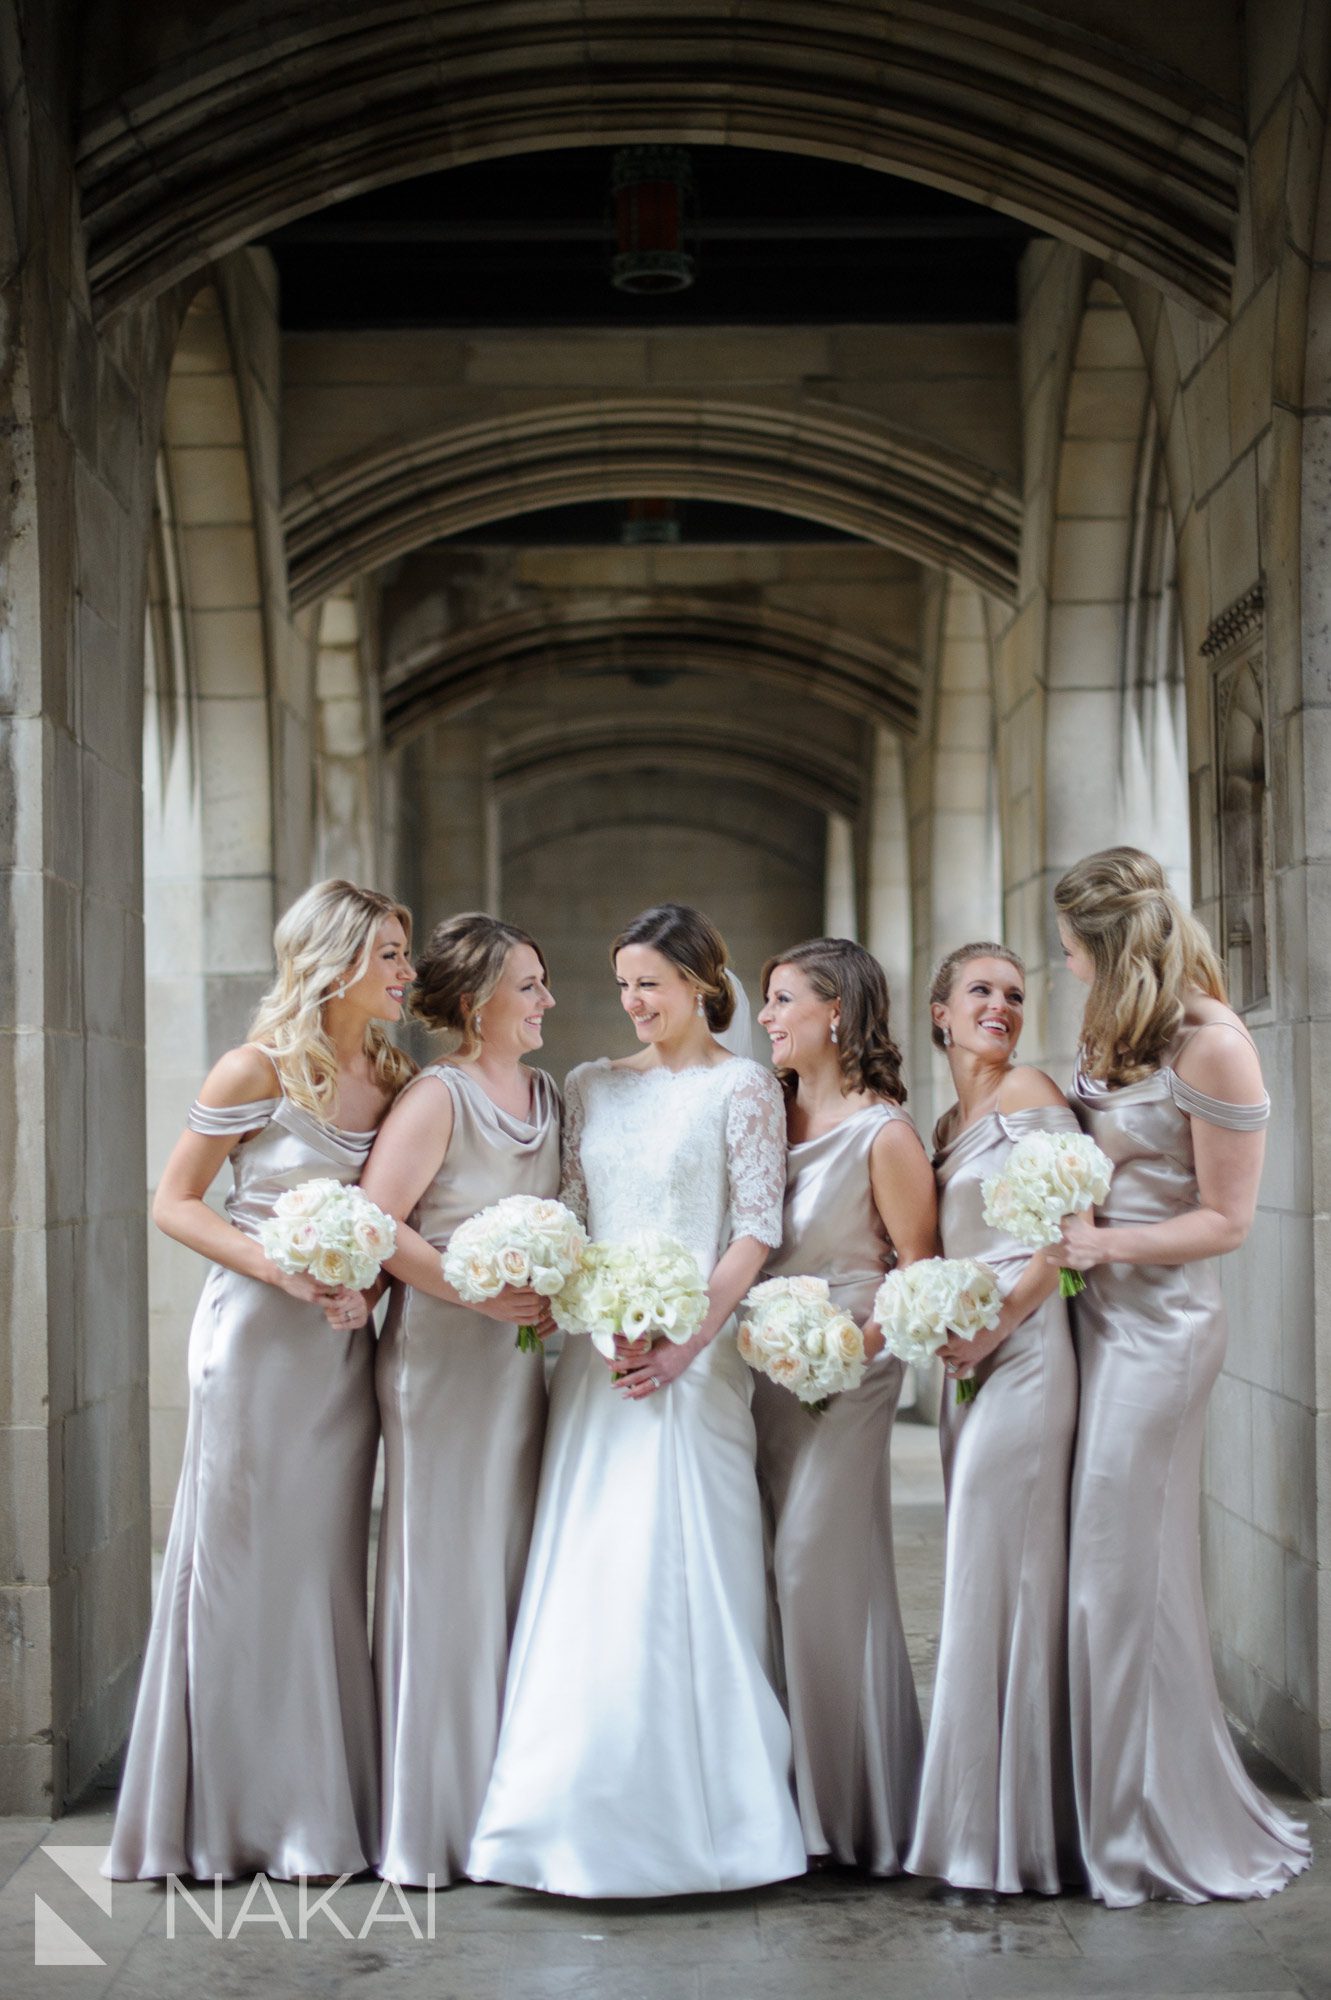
<point x="1214" y="1110"/>
<point x="230" y="1121"/>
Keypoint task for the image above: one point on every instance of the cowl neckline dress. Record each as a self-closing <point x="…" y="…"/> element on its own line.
<point x="253" y="1745"/>
<point x="463" y="1415"/>
<point x="854" y="1717"/>
<point x="1164" y="1804"/>
<point x="996" y="1809"/>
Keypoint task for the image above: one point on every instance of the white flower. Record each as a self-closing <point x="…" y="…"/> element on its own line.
<point x="791" y="1332"/>
<point x="334" y="1233"/>
<point x="1045" y="1178"/>
<point x="522" y="1240"/>
<point x="649" y="1284"/>
<point x="918" y="1308"/>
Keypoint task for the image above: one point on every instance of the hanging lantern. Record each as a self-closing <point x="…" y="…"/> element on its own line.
<point x="652" y="193"/>
<point x="649" y="521"/>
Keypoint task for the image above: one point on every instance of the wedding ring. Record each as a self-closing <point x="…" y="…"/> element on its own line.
<point x="656" y="1381"/>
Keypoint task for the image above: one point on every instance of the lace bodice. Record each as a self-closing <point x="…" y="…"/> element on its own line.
<point x="699" y="1153"/>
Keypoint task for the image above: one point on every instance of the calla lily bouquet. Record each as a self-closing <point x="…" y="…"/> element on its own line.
<point x="649" y="1284"/>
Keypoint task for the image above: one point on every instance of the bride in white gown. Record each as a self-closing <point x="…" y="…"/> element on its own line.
<point x="644" y="1751"/>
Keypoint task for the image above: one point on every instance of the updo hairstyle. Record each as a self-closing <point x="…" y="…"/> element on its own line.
<point x="1148" y="954"/>
<point x="840" y="970"/>
<point x="460" y="967"/>
<point x="945" y="979"/>
<point x="692" y="942"/>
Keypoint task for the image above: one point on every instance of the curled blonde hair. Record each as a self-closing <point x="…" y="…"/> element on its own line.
<point x="460" y="967"/>
<point x="940" y="992"/>
<point x="838" y="969"/>
<point x="1148" y="954"/>
<point x="324" y="942"/>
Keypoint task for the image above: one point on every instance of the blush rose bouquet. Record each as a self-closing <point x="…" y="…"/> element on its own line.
<point x="522" y="1240"/>
<point x="921" y="1307"/>
<point x="791" y="1332"/>
<point x="330" y="1232"/>
<point x="1045" y="1178"/>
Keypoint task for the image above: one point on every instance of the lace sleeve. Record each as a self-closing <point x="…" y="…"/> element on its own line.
<point x="572" y="1182"/>
<point x="756" y="1156"/>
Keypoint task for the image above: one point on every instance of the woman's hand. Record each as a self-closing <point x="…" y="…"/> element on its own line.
<point x="645" y="1366"/>
<point x="873" y="1340"/>
<point x="346" y="1310"/>
<point x="516" y="1306"/>
<point x="299" y="1285"/>
<point x="1081" y="1246"/>
<point x="961" y="1358"/>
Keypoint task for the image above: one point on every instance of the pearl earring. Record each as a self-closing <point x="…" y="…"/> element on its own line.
<point x="835" y="1036"/>
<point x="701" y="1007"/>
<point x="947" y="1038"/>
<point x="476" y="1024"/>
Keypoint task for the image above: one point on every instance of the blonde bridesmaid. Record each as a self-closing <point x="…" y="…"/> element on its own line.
<point x="859" y="1198"/>
<point x="253" y="1744"/>
<point x="1169" y="1085"/>
<point x="995" y="1808"/>
<point x="463" y="1411"/>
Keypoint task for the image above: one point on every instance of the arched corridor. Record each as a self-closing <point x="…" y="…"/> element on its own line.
<point x="349" y="524"/>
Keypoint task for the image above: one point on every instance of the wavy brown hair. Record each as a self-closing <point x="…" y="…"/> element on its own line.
<point x="1148" y="954"/>
<point x="945" y="979"/>
<point x="323" y="944"/>
<point x="460" y="967"/>
<point x="840" y="970"/>
<point x="692" y="942"/>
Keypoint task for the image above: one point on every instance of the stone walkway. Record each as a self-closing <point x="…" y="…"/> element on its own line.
<point x="829" y="1937"/>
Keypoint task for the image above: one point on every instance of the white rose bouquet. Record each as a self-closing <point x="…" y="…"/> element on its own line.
<point x="332" y="1233"/>
<point x="522" y="1241"/>
<point x="649" y="1284"/>
<point x="791" y="1332"/>
<point x="1045" y="1178"/>
<point x="918" y="1308"/>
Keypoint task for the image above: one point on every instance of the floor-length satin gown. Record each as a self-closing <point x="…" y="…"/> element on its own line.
<point x="854" y="1718"/>
<point x="996" y="1809"/>
<point x="644" y="1751"/>
<point x="463" y="1414"/>
<point x="253" y="1744"/>
<point x="1164" y="1805"/>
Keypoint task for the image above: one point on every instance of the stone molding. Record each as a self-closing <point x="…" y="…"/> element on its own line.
<point x="867" y="480"/>
<point x="1235" y="625"/>
<point x="800" y="654"/>
<point x="780" y="761"/>
<point x="290" y="109"/>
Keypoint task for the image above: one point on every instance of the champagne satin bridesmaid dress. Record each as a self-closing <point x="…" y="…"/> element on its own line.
<point x="463" y="1415"/>
<point x="827" y="1482"/>
<point x="996" y="1808"/>
<point x="253" y="1744"/>
<point x="1164" y="1804"/>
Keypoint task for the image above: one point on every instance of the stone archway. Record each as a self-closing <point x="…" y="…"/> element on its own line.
<point x="279" y="113"/>
<point x="859" y="477"/>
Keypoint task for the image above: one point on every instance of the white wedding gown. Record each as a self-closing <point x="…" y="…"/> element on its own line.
<point x="644" y="1751"/>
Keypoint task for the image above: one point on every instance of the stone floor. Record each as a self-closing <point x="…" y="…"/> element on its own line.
<point x="829" y="1937"/>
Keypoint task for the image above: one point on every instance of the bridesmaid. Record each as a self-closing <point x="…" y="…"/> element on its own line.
<point x="996" y="1808"/>
<point x="1169" y="1085"/>
<point x="859" y="1197"/>
<point x="463" y="1411"/>
<point x="253" y="1744"/>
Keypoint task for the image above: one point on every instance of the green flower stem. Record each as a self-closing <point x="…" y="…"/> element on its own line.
<point x="1070" y="1283"/>
<point x="967" y="1389"/>
<point x="529" y="1341"/>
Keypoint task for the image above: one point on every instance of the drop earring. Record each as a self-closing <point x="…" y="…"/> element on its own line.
<point x="947" y="1038"/>
<point x="701" y="1007"/>
<point x="835" y="1036"/>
